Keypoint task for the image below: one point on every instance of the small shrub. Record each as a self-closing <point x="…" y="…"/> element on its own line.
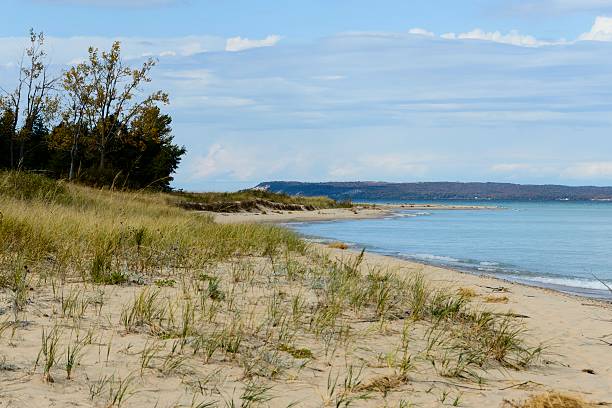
<point x="496" y="299"/>
<point x="338" y="245"/>
<point x="466" y="292"/>
<point x="161" y="283"/>
<point x="299" y="353"/>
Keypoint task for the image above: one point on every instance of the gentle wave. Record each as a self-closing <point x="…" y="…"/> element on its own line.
<point x="568" y="282"/>
<point x="510" y="273"/>
<point x="437" y="258"/>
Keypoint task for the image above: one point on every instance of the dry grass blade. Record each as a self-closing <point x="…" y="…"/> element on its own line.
<point x="551" y="400"/>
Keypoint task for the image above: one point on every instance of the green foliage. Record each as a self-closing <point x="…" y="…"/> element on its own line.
<point x="107" y="133"/>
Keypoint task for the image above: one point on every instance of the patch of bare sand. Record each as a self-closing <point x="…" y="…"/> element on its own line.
<point x="259" y="322"/>
<point x="357" y="212"/>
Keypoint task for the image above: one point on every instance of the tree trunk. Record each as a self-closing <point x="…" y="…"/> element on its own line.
<point x="101" y="160"/>
<point x="12" y="148"/>
<point x="21" y="153"/>
<point x="71" y="173"/>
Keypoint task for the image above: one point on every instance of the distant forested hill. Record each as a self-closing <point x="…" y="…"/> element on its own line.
<point x="437" y="191"/>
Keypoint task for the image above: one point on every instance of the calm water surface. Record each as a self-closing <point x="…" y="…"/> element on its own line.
<point x="562" y="245"/>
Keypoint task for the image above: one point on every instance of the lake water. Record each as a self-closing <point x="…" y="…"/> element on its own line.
<point x="561" y="245"/>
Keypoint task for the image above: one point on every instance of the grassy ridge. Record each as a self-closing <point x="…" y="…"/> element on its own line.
<point x="246" y="196"/>
<point x="104" y="235"/>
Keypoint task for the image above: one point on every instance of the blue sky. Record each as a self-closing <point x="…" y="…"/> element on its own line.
<point x="495" y="90"/>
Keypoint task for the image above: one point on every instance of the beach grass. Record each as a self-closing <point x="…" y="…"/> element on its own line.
<point x="246" y="196"/>
<point x="125" y="293"/>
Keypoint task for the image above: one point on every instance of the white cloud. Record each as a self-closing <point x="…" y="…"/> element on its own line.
<point x="67" y="50"/>
<point x="241" y="44"/>
<point x="601" y="30"/>
<point x="220" y="161"/>
<point x="204" y="101"/>
<point x="240" y="162"/>
<point x="512" y="38"/>
<point x="329" y="77"/>
<point x="421" y="31"/>
<point x="589" y="170"/>
<point x="70" y="50"/>
<point x="522" y="169"/>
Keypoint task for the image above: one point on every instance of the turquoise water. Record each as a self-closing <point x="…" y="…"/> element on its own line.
<point x="561" y="245"/>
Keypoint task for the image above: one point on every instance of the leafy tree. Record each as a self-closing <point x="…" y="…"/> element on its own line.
<point x="6" y="137"/>
<point x="153" y="155"/>
<point x="108" y="89"/>
<point x="32" y="99"/>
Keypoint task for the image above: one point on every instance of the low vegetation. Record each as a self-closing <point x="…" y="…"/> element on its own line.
<point x="254" y="200"/>
<point x="143" y="303"/>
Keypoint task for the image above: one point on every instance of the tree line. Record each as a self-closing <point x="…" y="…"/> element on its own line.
<point x="93" y="123"/>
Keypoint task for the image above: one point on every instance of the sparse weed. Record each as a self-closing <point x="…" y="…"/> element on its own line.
<point x="74" y="353"/>
<point x="145" y="310"/>
<point x="119" y="390"/>
<point x="48" y="351"/>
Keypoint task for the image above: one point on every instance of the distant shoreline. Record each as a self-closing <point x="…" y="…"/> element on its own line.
<point x="471" y="191"/>
<point x="359" y="211"/>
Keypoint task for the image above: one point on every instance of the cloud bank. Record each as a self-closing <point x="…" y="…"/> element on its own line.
<point x="402" y="106"/>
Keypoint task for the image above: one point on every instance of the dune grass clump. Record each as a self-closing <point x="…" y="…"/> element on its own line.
<point x="551" y="400"/>
<point x="338" y="245"/>
<point x="467" y="292"/>
<point x="496" y="299"/>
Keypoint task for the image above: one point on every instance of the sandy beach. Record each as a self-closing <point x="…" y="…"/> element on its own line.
<point x="355" y="213"/>
<point x="577" y="331"/>
<point x="253" y="327"/>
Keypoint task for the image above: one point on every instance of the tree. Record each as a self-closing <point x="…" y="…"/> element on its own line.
<point x="79" y="95"/>
<point x="32" y="98"/>
<point x="109" y="90"/>
<point x="151" y="151"/>
<point x="6" y="137"/>
<point x="107" y="129"/>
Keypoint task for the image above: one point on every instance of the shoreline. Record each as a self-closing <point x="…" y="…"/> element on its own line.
<point x="579" y="292"/>
<point x="365" y="211"/>
<point x="575" y="330"/>
<point x="465" y="271"/>
<point x="387" y="210"/>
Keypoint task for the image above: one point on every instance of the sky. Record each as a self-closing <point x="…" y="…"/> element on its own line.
<point x="343" y="90"/>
